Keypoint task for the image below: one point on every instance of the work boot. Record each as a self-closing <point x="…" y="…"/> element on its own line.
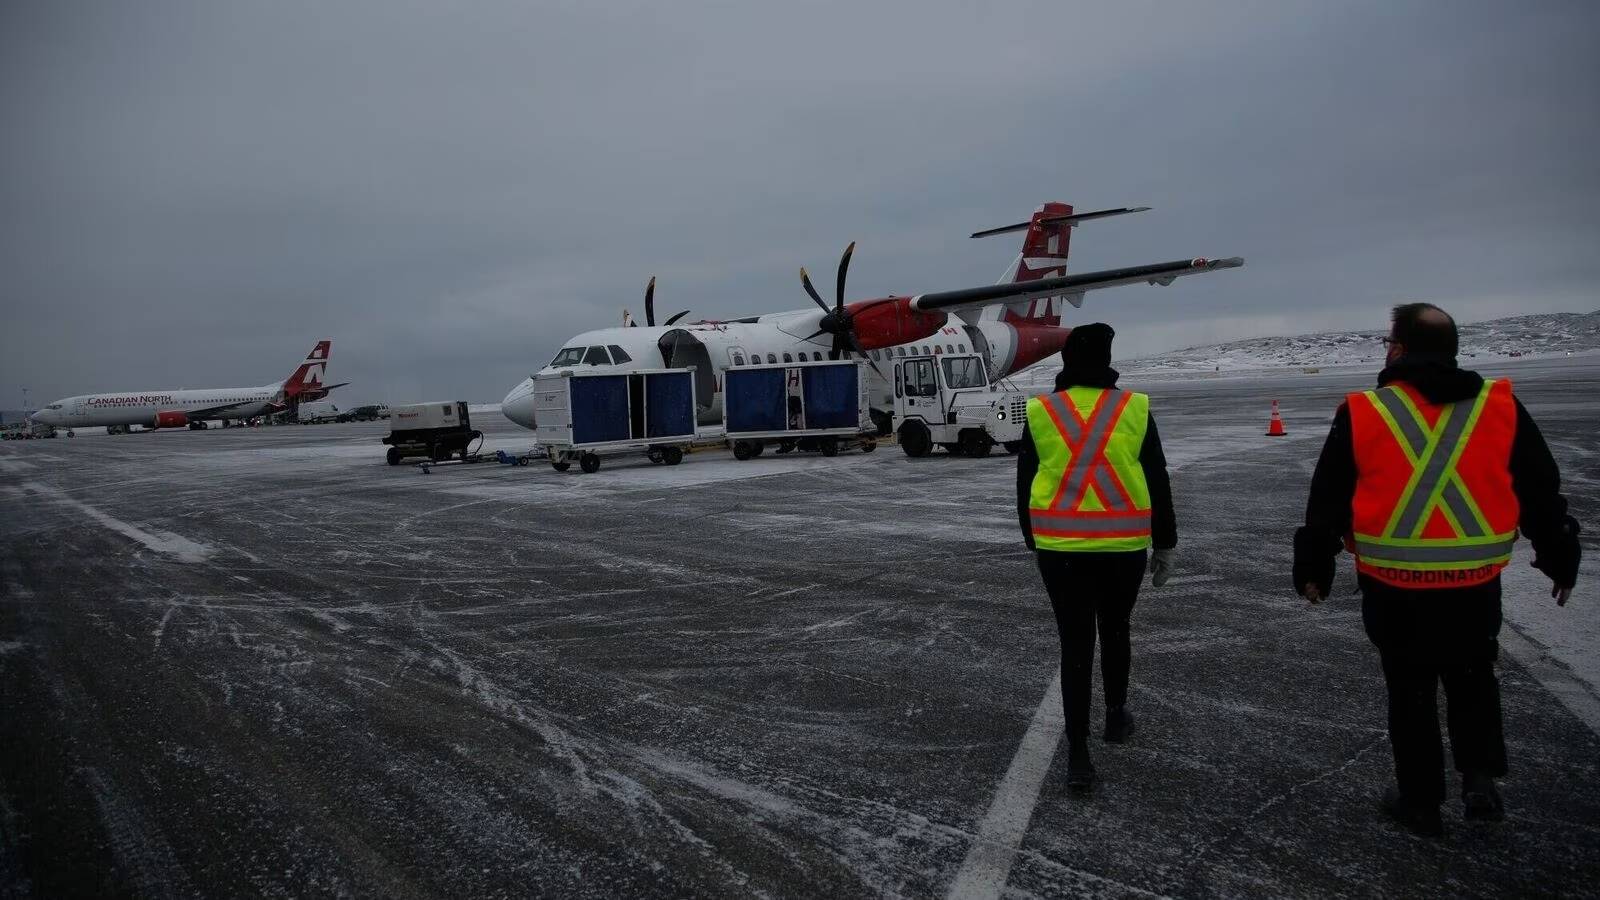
<point x="1119" y="724"/>
<point x="1480" y="799"/>
<point x="1419" y="818"/>
<point x="1080" y="771"/>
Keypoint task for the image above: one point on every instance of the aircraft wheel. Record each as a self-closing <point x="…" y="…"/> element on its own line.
<point x="976" y="444"/>
<point x="393" y="456"/>
<point x="742" y="451"/>
<point x="589" y="463"/>
<point x="915" y="439"/>
<point x="672" y="455"/>
<point x="1013" y="447"/>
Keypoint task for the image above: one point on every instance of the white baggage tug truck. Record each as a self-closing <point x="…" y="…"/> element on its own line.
<point x="947" y="401"/>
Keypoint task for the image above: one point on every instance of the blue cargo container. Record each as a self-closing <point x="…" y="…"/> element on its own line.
<point x="807" y="406"/>
<point x="580" y="415"/>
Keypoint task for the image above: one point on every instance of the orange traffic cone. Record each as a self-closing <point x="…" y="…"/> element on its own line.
<point x="1275" y="427"/>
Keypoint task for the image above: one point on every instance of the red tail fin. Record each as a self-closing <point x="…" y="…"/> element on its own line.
<point x="307" y="381"/>
<point x="1044" y="255"/>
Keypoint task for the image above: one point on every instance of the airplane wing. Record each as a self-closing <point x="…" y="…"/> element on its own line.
<point x="211" y="412"/>
<point x="1072" y="286"/>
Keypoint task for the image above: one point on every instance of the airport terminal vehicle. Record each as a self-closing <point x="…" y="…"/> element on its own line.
<point x="370" y="412"/>
<point x="437" y="431"/>
<point x="808" y="406"/>
<point x="318" y="412"/>
<point x="585" y="414"/>
<point x="192" y="408"/>
<point x="948" y="401"/>
<point x="1011" y="324"/>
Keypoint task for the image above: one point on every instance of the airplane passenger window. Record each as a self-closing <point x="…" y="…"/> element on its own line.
<point x="816" y="356"/>
<point x="963" y="347"/>
<point x="949" y="348"/>
<point x="772" y="357"/>
<point x="788" y="358"/>
<point x="900" y="351"/>
<point x="596" y="357"/>
<point x="569" y="356"/>
<point x="738" y="359"/>
<point x="926" y="351"/>
<point x="618" y="354"/>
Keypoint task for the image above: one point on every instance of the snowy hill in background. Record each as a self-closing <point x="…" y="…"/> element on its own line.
<point x="1533" y="335"/>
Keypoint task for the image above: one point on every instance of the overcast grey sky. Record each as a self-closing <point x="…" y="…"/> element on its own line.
<point x="191" y="194"/>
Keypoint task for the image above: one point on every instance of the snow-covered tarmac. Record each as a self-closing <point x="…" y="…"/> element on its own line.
<point x="263" y="662"/>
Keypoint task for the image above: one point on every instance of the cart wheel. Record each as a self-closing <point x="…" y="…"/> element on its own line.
<point x="915" y="440"/>
<point x="830" y="446"/>
<point x="654" y="455"/>
<point x="976" y="444"/>
<point x="393" y="456"/>
<point x="758" y="447"/>
<point x="1012" y="447"/>
<point x="560" y="465"/>
<point x="440" y="453"/>
<point x="742" y="451"/>
<point x="672" y="455"/>
<point x="868" y="445"/>
<point x="589" y="463"/>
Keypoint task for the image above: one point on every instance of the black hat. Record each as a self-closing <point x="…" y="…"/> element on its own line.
<point x="1088" y="347"/>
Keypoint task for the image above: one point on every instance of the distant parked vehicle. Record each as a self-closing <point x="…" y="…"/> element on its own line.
<point x="317" y="412"/>
<point x="368" y="413"/>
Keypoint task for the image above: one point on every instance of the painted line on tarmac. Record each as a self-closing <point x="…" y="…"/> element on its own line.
<point x="988" y="864"/>
<point x="176" y="546"/>
<point x="1555" y="677"/>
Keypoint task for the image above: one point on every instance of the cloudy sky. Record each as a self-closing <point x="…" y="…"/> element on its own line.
<point x="191" y="194"/>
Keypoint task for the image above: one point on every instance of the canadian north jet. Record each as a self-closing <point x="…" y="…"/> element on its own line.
<point x="1010" y="325"/>
<point x="119" y="412"/>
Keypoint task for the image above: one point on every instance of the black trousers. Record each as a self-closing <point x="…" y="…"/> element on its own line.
<point x="1086" y="590"/>
<point x="1426" y="638"/>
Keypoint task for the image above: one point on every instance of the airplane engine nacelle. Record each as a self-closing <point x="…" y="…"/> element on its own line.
<point x="891" y="321"/>
<point x="171" y="420"/>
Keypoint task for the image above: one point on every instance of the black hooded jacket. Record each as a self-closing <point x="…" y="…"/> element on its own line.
<point x="1534" y="478"/>
<point x="1163" y="522"/>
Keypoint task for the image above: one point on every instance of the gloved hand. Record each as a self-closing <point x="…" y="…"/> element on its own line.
<point x="1557" y="555"/>
<point x="1160" y="566"/>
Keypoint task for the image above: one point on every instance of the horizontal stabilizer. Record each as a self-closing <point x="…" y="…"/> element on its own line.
<point x="1072" y="219"/>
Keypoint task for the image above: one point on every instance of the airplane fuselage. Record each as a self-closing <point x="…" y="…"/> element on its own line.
<point x="713" y="347"/>
<point x="142" y="407"/>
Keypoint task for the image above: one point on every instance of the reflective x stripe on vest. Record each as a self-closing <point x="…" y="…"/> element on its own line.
<point x="1435" y="486"/>
<point x="1079" y="454"/>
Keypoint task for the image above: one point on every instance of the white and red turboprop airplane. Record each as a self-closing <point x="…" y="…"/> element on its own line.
<point x="1012" y="324"/>
<point x="191" y="408"/>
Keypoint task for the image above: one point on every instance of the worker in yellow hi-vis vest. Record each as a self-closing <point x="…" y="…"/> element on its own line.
<point x="1093" y="497"/>
<point x="1427" y="480"/>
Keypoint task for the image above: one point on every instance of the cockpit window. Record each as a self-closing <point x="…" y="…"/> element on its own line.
<point x="570" y="356"/>
<point x="53" y="406"/>
<point x="618" y="354"/>
<point x="596" y="357"/>
<point x="964" y="372"/>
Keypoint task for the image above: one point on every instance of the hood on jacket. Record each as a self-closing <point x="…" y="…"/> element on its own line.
<point x="1438" y="379"/>
<point x="1086" y="357"/>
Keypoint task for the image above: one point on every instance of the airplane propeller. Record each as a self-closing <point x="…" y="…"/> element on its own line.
<point x="839" y="321"/>
<point x="650" y="306"/>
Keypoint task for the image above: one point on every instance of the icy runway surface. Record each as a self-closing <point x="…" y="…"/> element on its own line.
<point x="264" y="662"/>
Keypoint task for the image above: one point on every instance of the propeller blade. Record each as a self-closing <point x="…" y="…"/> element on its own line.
<point x="844" y="268"/>
<point x="805" y="282"/>
<point x="650" y="302"/>
<point x="814" y="335"/>
<point x="855" y="344"/>
<point x="677" y="317"/>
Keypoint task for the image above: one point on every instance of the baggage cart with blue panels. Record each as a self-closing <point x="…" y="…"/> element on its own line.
<point x="581" y="415"/>
<point x="815" y="406"/>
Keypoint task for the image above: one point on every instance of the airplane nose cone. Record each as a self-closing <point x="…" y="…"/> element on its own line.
<point x="518" y="405"/>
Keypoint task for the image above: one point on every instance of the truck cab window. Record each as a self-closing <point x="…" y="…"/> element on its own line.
<point x="964" y="372"/>
<point x="618" y="354"/>
<point x="596" y="357"/>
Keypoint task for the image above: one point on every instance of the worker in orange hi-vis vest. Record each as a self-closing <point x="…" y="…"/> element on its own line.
<point x="1427" y="480"/>
<point x="1093" y="498"/>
